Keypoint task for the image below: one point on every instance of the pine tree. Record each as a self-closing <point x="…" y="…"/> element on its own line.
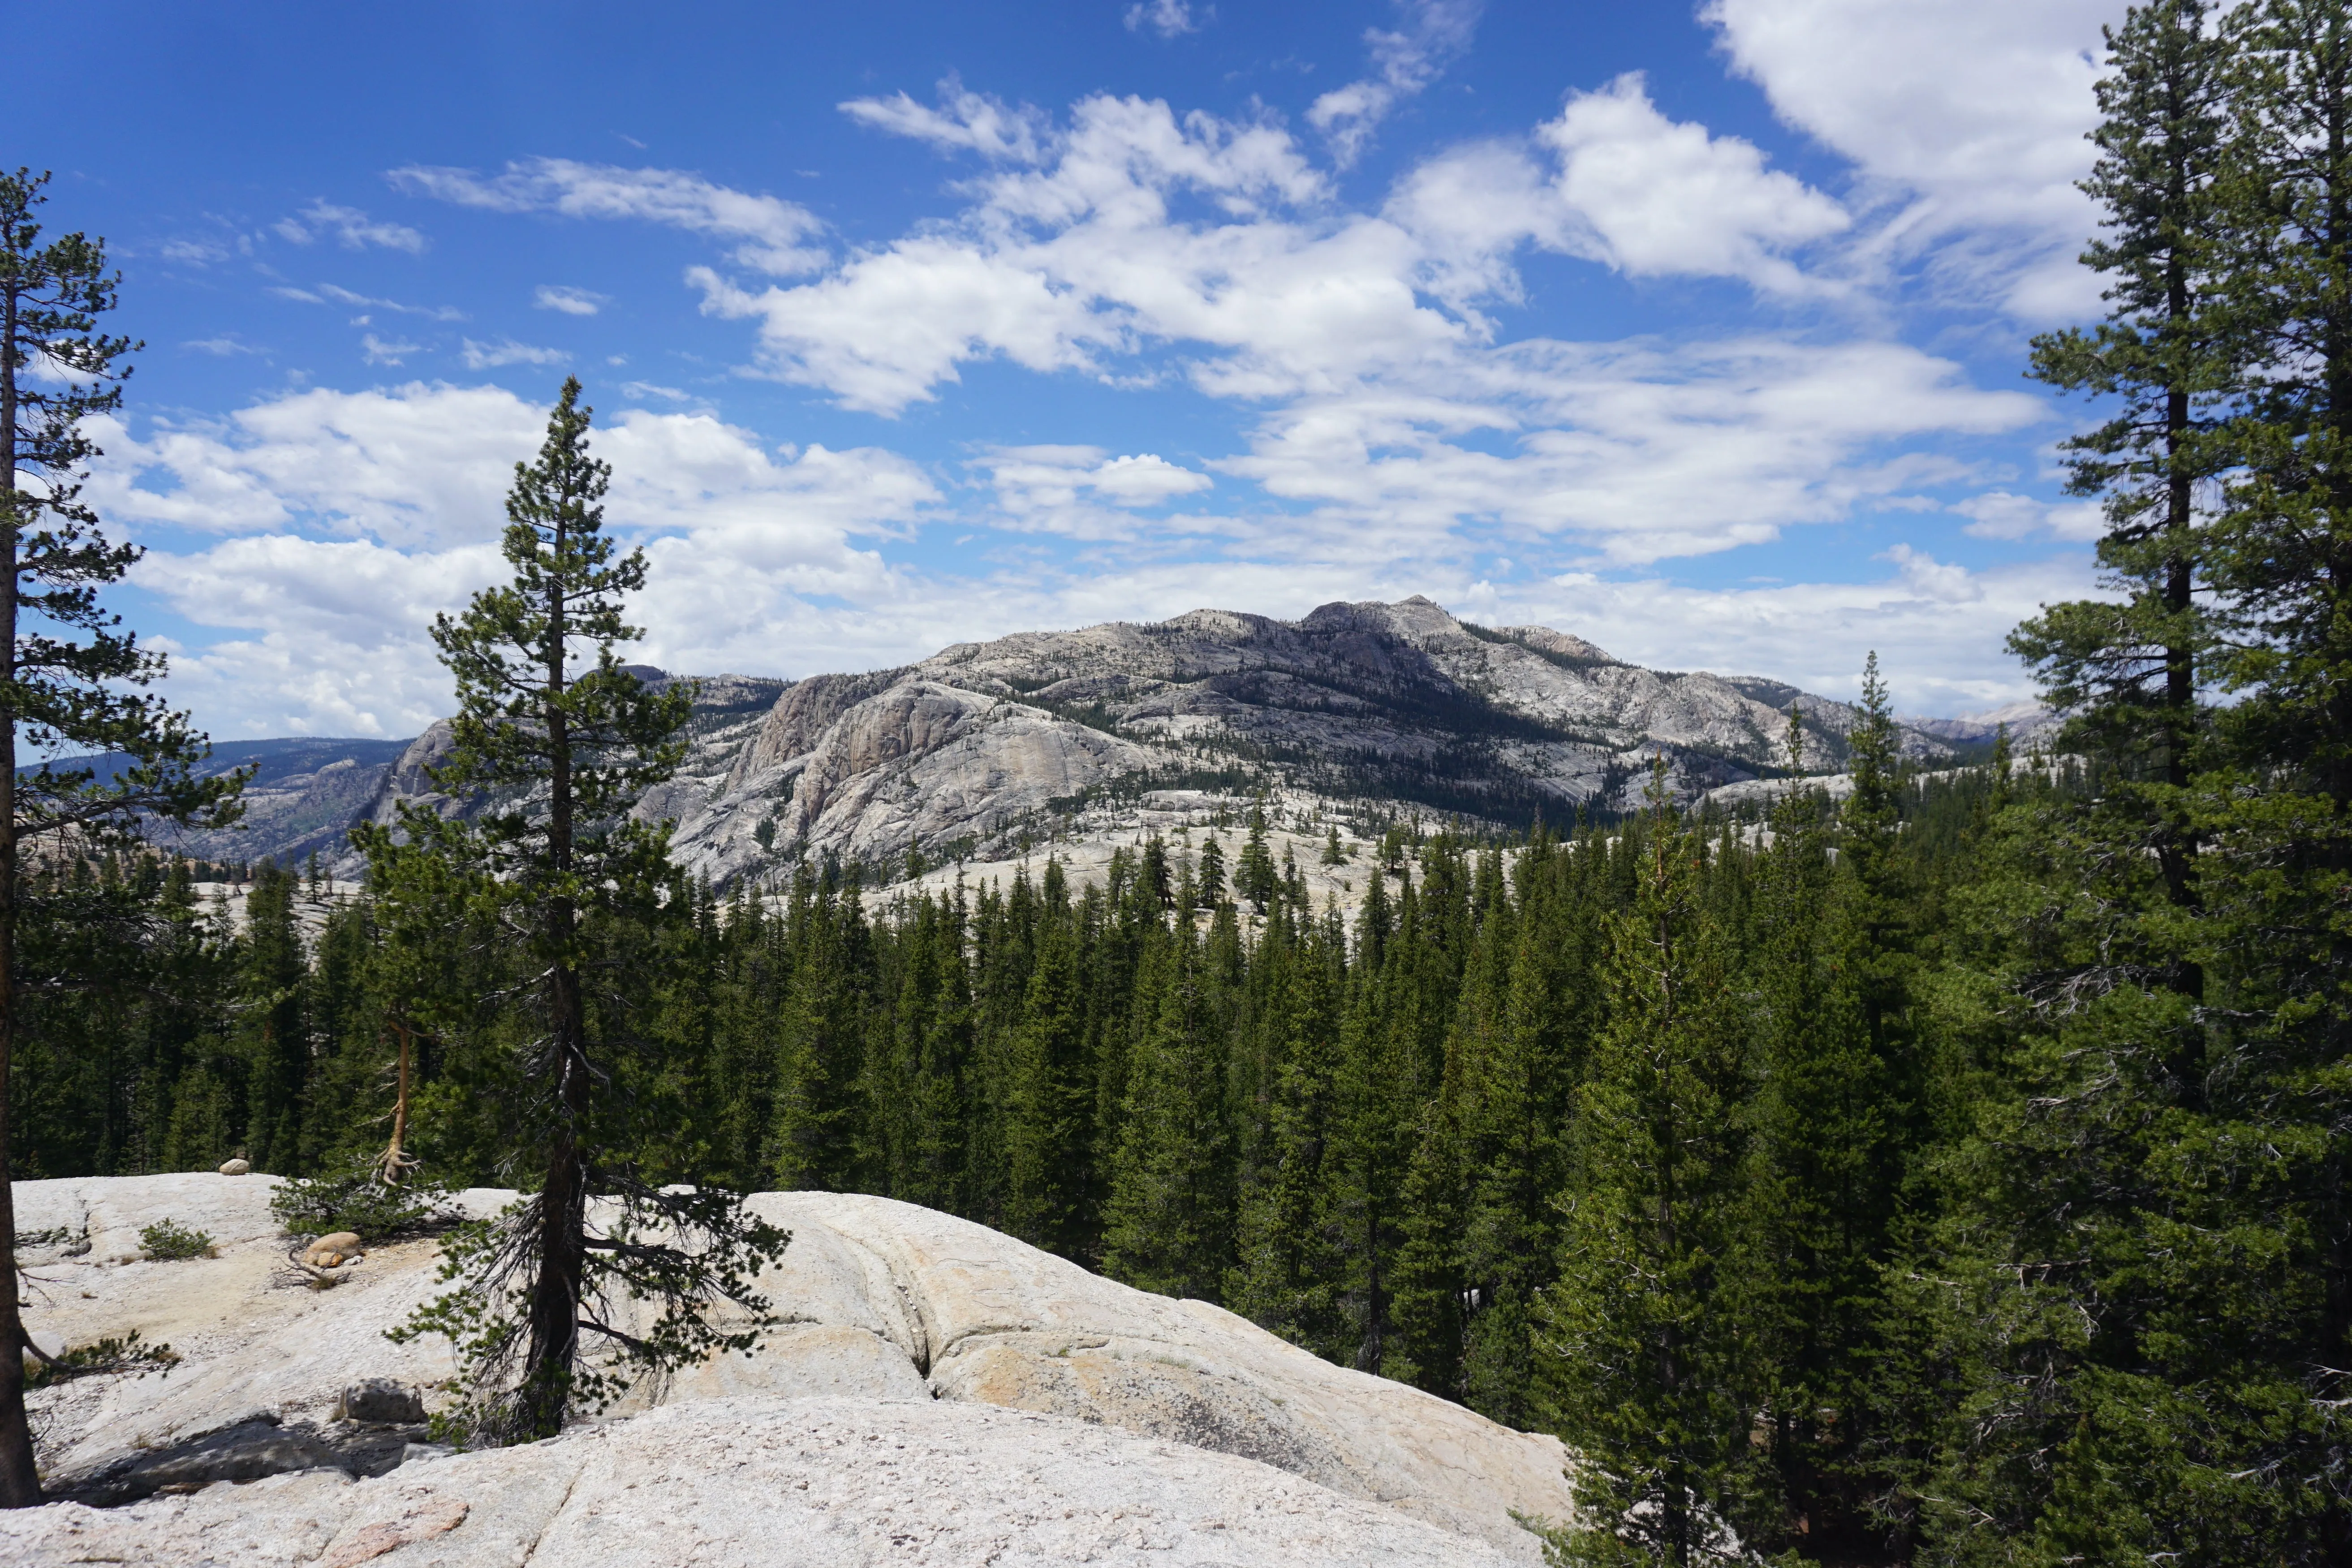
<point x="1256" y="877"/>
<point x="821" y="1134"/>
<point x="1646" y="1359"/>
<point x="1523" y="1118"/>
<point x="1210" y="881"/>
<point x="2145" y="1274"/>
<point x="1168" y="1225"/>
<point x="1288" y="1276"/>
<point x="2170" y="355"/>
<point x="275" y="978"/>
<point x="70" y="681"/>
<point x="558" y="751"/>
<point x="935" y="1031"/>
<point x="1050" y="1101"/>
<point x="1831" y="1124"/>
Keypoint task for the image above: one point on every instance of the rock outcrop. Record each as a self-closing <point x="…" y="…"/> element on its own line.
<point x="1355" y="714"/>
<point x="917" y="1339"/>
<point x="985" y="751"/>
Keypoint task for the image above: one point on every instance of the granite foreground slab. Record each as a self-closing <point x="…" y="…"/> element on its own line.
<point x="877" y="1304"/>
<point x="785" y="1483"/>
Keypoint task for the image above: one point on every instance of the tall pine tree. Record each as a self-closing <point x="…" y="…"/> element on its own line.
<point x="69" y="682"/>
<point x="556" y="749"/>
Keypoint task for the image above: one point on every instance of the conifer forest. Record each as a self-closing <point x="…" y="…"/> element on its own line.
<point x="1957" y="1169"/>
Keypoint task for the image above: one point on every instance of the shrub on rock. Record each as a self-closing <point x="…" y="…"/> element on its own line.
<point x="167" y="1241"/>
<point x="354" y="1202"/>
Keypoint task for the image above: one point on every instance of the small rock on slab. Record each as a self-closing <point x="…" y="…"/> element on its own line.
<point x="381" y="1400"/>
<point x="332" y="1251"/>
<point x="234" y="1167"/>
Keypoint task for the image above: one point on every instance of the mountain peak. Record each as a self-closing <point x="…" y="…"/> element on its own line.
<point x="1073" y="742"/>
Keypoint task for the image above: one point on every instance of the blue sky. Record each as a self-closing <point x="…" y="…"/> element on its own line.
<point x="1697" y="332"/>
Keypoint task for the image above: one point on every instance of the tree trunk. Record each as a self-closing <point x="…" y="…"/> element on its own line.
<point x="20" y="1482"/>
<point x="556" y="1295"/>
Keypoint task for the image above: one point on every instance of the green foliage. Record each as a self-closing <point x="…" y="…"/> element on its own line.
<point x="100" y="1358"/>
<point x="557" y="877"/>
<point x="169" y="1241"/>
<point x="1651" y="1371"/>
<point x="353" y="1200"/>
<point x="72" y="682"/>
<point x="1170" y="1222"/>
<point x="496" y="1265"/>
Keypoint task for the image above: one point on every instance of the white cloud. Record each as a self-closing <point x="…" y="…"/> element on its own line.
<point x="352" y="227"/>
<point x="965" y="122"/>
<point x="571" y="301"/>
<point x="641" y="390"/>
<point x="332" y="294"/>
<point x="506" y="351"/>
<point x="417" y="467"/>
<point x="1433" y="34"/>
<point x="1084" y="492"/>
<point x="201" y="252"/>
<point x="1641" y="451"/>
<point x="1168" y="18"/>
<point x="1144" y="478"/>
<point x="2000" y="514"/>
<point x="384" y="351"/>
<point x="1058" y="264"/>
<point x="887" y="327"/>
<point x="1938" y="628"/>
<point x="773" y="232"/>
<point x="356" y="516"/>
<point x="1967" y="120"/>
<point x="1398" y="420"/>
<point x="1650" y="196"/>
<point x="223" y="347"/>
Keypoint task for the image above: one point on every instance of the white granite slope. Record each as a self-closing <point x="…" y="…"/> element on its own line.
<point x="897" y="1324"/>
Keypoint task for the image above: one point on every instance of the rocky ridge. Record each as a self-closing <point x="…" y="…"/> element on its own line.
<point x="927" y="1384"/>
<point x="1072" y="742"/>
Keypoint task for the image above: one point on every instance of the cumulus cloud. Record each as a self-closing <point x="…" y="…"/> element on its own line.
<point x="1168" y="18"/>
<point x="1650" y="196"/>
<point x="2000" y="514"/>
<point x="1391" y="413"/>
<point x="351" y="518"/>
<point x="506" y="351"/>
<point x="1064" y="262"/>
<point x="965" y="122"/>
<point x="1612" y="181"/>
<point x="348" y="226"/>
<point x="1430" y="36"/>
<point x="1937" y="628"/>
<point x="1084" y="492"/>
<point x="1639" y="452"/>
<point x="571" y="301"/>
<point x="1968" y="120"/>
<point x="419" y="467"/>
<point x="774" y="234"/>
